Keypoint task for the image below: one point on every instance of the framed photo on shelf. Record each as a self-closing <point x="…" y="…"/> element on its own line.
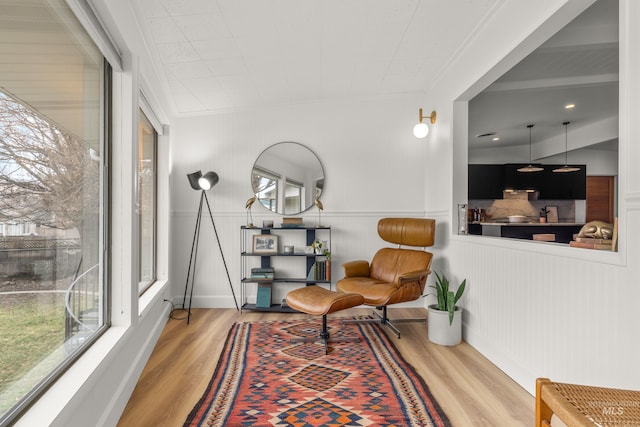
<point x="265" y="244"/>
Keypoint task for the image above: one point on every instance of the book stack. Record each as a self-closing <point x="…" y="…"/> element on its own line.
<point x="321" y="270"/>
<point x="292" y="222"/>
<point x="592" y="243"/>
<point x="260" y="273"/>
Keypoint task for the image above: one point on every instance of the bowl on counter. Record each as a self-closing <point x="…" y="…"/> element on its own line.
<point x="517" y="218"/>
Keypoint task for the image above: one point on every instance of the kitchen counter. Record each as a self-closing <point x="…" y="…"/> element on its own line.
<point x="563" y="231"/>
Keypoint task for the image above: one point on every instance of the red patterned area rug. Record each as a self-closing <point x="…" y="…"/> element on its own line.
<point x="262" y="379"/>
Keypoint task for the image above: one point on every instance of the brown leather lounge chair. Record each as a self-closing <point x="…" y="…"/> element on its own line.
<point x="394" y="275"/>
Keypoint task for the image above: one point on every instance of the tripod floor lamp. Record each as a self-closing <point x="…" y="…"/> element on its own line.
<point x="202" y="183"/>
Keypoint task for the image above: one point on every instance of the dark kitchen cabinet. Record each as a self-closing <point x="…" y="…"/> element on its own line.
<point x="550" y="185"/>
<point x="485" y="181"/>
<point x="515" y="180"/>
<point x="563" y="185"/>
<point x="488" y="181"/>
<point x="562" y="233"/>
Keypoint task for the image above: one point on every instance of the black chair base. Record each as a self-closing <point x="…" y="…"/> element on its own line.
<point x="383" y="320"/>
<point x="324" y="336"/>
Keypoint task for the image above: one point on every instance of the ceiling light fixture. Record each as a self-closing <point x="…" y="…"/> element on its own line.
<point x="566" y="168"/>
<point x="569" y="106"/>
<point x="421" y="130"/>
<point x="530" y="167"/>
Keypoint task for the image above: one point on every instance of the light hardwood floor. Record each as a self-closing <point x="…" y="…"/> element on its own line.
<point x="469" y="388"/>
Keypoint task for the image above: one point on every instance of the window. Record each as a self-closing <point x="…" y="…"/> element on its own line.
<point x="292" y="197"/>
<point x="147" y="143"/>
<point x="266" y="185"/>
<point x="53" y="304"/>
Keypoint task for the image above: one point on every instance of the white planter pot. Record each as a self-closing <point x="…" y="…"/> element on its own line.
<point x="439" y="329"/>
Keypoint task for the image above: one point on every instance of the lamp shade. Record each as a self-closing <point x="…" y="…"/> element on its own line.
<point x="208" y="180"/>
<point x="193" y="179"/>
<point x="421" y="130"/>
<point x="531" y="168"/>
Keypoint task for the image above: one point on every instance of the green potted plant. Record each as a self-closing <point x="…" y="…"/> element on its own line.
<point x="543" y="214"/>
<point x="445" y="318"/>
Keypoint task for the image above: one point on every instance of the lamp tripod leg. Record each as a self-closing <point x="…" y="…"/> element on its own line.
<point x="191" y="271"/>
<point x="221" y="252"/>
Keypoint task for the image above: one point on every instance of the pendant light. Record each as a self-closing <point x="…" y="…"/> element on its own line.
<point x="530" y="168"/>
<point x="566" y="167"/>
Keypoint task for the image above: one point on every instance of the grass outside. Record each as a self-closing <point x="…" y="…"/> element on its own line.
<point x="31" y="329"/>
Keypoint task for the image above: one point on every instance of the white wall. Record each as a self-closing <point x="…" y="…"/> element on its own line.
<point x="373" y="164"/>
<point x="537" y="309"/>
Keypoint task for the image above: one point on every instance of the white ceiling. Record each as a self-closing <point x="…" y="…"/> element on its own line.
<point x="228" y="55"/>
<point x="578" y="65"/>
<point x="225" y="55"/>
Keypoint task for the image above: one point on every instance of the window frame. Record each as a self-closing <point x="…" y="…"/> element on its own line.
<point x="104" y="135"/>
<point x="145" y="285"/>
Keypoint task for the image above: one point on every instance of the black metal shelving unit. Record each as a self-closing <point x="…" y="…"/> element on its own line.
<point x="248" y="261"/>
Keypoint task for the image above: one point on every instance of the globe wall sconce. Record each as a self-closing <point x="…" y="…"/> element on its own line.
<point x="421" y="130"/>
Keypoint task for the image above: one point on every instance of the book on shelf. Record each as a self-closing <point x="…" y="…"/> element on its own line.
<point x="266" y="273"/>
<point x="312" y="272"/>
<point x="292" y="220"/>
<point x="590" y="245"/>
<point x="264" y="276"/>
<point x="320" y="270"/>
<point x="263" y="296"/>
<point x="593" y="240"/>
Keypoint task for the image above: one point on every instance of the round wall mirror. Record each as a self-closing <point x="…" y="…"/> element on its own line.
<point x="287" y="178"/>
